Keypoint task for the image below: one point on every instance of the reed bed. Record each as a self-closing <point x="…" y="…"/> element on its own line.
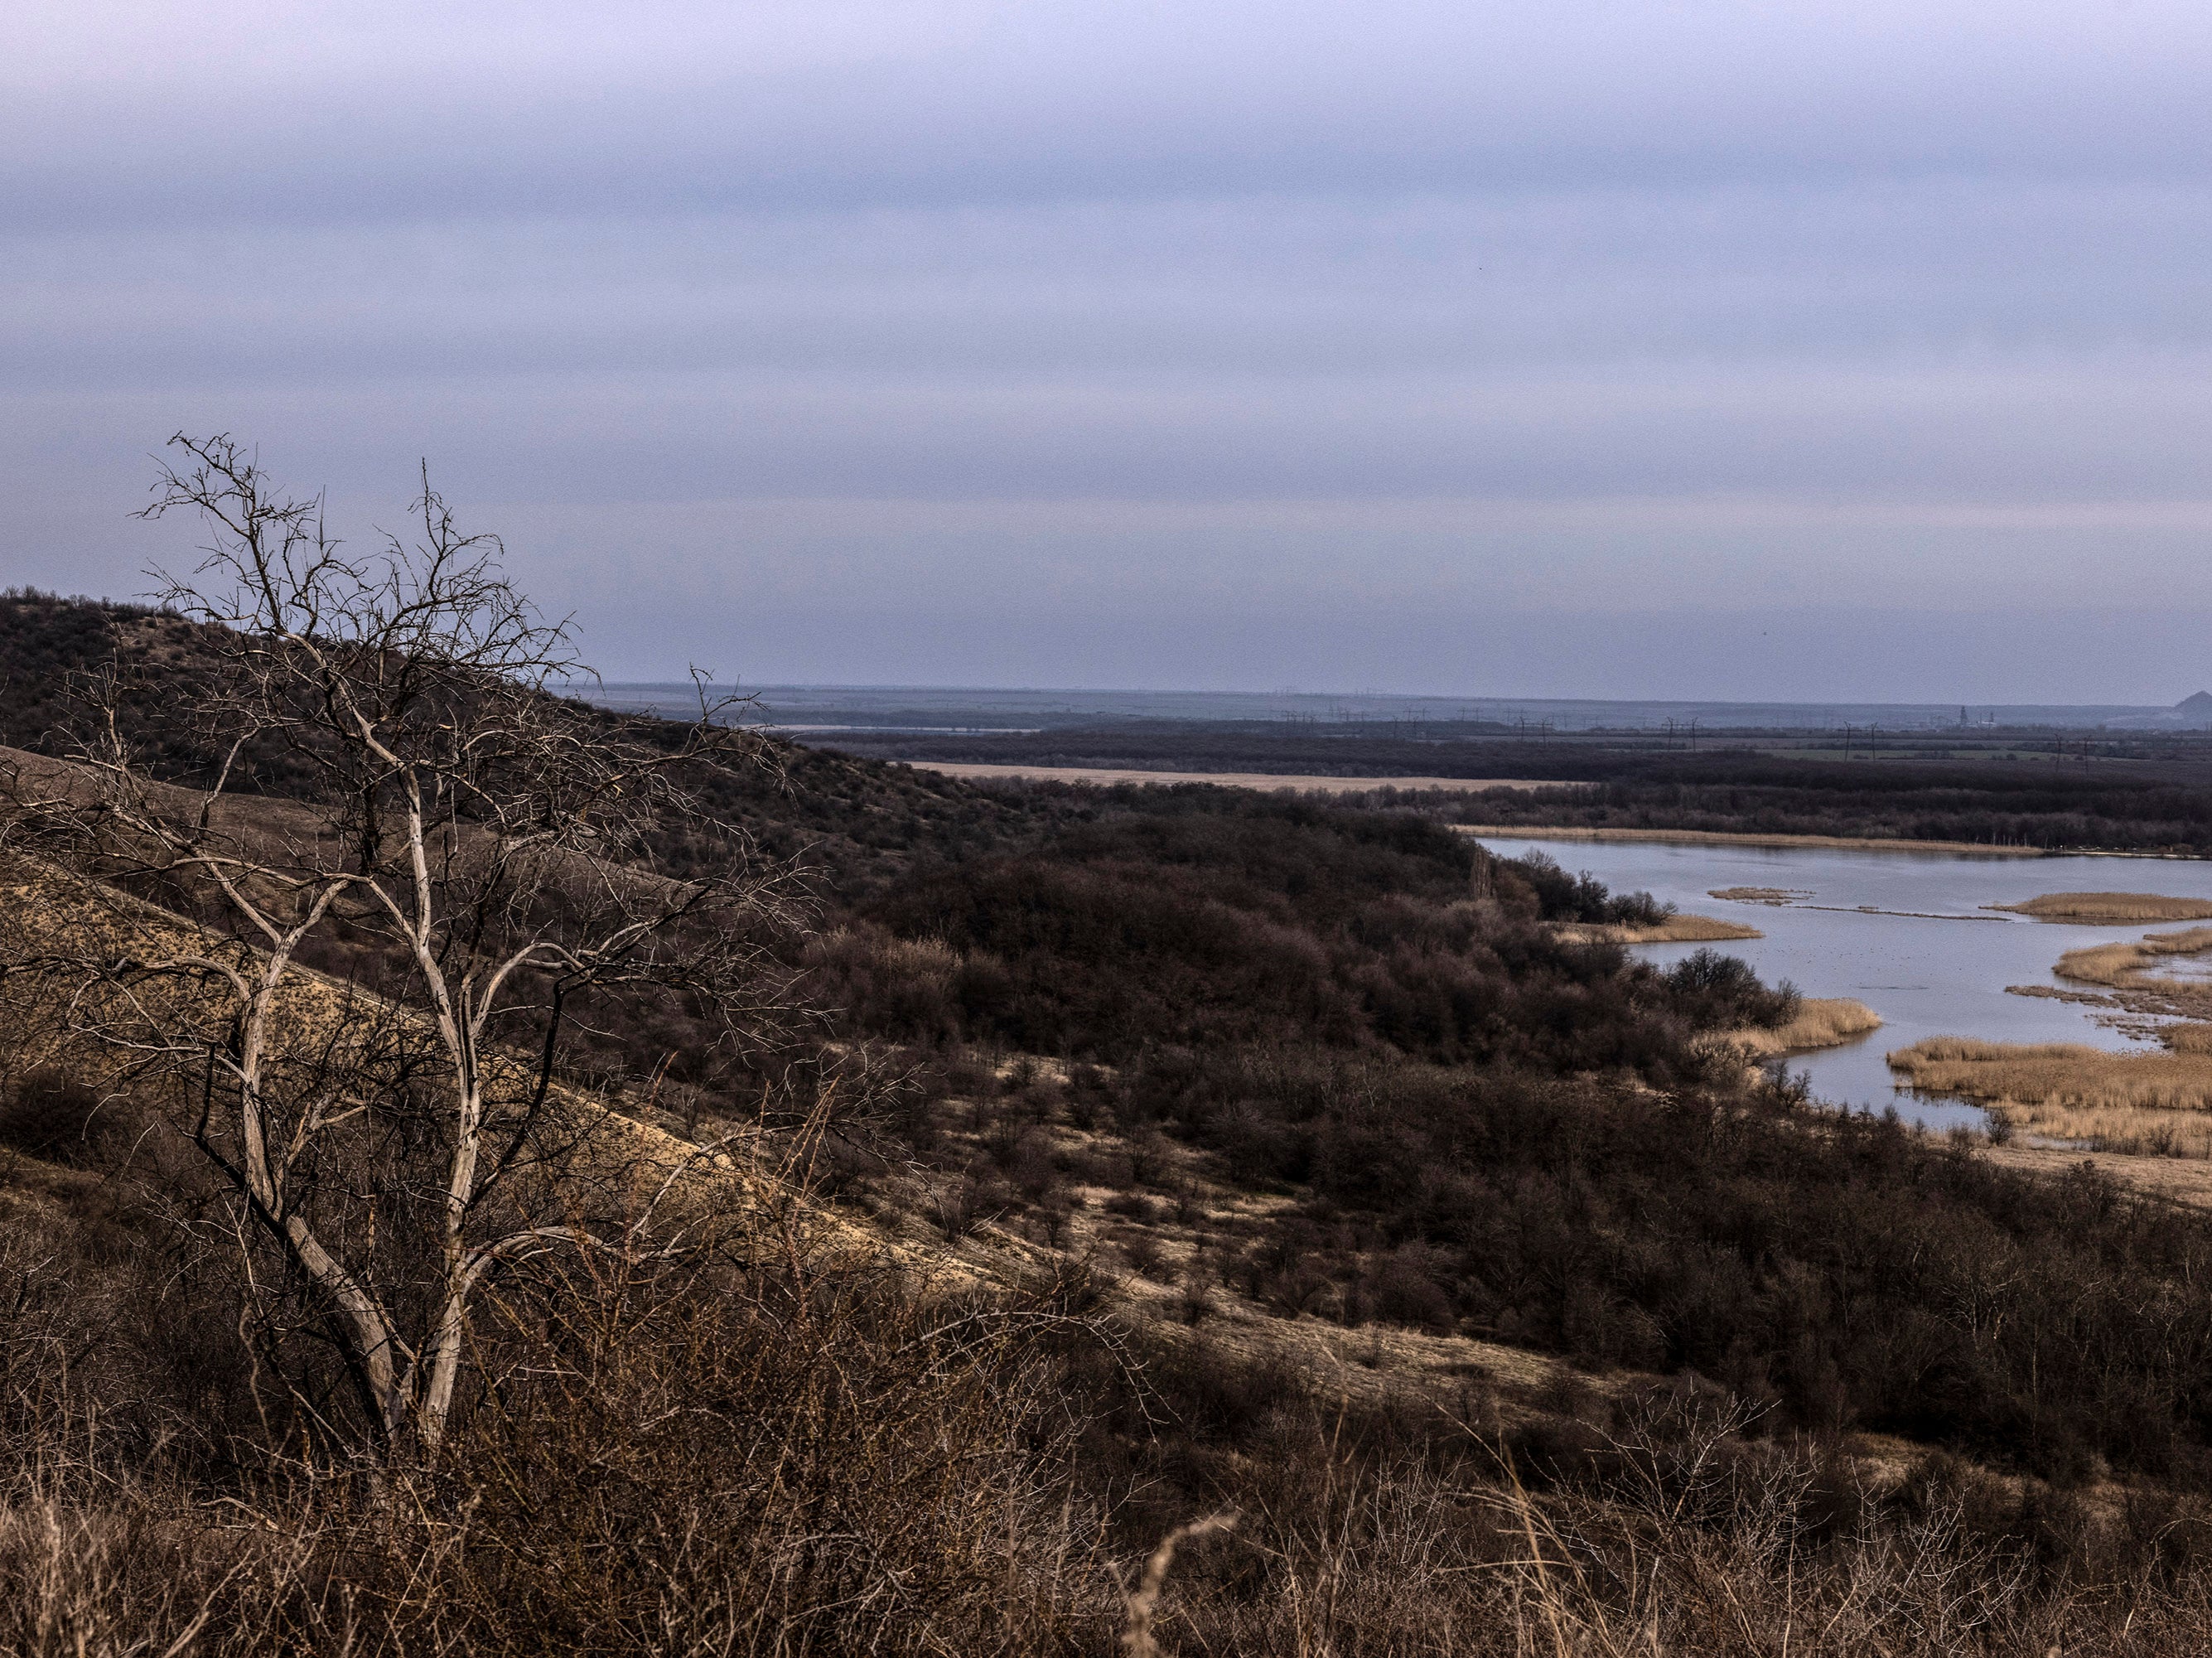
<point x="2111" y="906"/>
<point x="1774" y="895"/>
<point x="1824" y="1022"/>
<point x="2126" y="965"/>
<point x="1674" y="930"/>
<point x="2159" y="1102"/>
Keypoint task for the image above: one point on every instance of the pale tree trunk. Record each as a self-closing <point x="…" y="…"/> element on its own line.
<point x="498" y="844"/>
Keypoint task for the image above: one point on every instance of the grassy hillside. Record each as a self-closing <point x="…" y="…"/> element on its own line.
<point x="1160" y="1153"/>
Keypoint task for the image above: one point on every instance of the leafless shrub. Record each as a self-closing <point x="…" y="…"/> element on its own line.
<point x="768" y="1444"/>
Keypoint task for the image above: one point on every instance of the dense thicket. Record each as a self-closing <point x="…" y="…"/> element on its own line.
<point x="1845" y="1270"/>
<point x="1492" y="1132"/>
<point x="1195" y="917"/>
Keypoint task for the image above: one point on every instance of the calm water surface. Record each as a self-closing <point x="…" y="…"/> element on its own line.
<point x="1904" y="932"/>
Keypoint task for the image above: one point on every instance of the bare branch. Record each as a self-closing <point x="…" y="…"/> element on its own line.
<point x="368" y="981"/>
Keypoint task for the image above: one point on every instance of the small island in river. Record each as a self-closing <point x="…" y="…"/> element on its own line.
<point x="2114" y="907"/>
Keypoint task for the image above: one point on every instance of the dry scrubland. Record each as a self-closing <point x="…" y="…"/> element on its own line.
<point x="1211" y="1166"/>
<point x="895" y="1417"/>
<point x="914" y="1389"/>
<point x="890" y="1462"/>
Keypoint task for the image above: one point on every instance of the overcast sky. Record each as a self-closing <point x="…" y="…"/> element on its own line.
<point x="1652" y="349"/>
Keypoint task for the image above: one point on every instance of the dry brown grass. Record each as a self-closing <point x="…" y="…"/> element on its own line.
<point x="1674" y="930"/>
<point x="45" y="913"/>
<point x="2159" y="1101"/>
<point x="2109" y="906"/>
<point x="804" y="1461"/>
<point x="837" y="1477"/>
<point x="1828" y="1022"/>
<point x="2186" y="1182"/>
<point x="2126" y="965"/>
<point x="1702" y="1547"/>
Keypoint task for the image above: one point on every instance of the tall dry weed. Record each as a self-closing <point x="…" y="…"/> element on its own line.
<point x="2159" y="1101"/>
<point x="1819" y="1021"/>
<point x="2127" y="965"/>
<point x="2113" y="908"/>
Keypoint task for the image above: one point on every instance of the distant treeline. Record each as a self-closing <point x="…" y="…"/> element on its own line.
<point x="1348" y="749"/>
<point x="1388" y="748"/>
<point x="2055" y="808"/>
<point x="2130" y="805"/>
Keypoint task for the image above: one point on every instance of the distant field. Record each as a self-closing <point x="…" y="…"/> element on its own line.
<point x="1730" y="838"/>
<point x="1235" y="779"/>
<point x="1977" y="789"/>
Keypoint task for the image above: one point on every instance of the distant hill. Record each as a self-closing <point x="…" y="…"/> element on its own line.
<point x="2192" y="712"/>
<point x="854" y="819"/>
<point x="821" y="709"/>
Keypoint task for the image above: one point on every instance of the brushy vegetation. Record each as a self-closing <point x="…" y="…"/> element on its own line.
<point x="1806" y="1380"/>
<point x="771" y="1447"/>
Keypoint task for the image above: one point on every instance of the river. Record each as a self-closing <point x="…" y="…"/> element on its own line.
<point x="1905" y="933"/>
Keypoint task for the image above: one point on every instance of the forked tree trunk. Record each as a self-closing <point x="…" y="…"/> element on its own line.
<point x="496" y="839"/>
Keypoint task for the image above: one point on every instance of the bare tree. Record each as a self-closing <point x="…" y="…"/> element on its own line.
<point x="480" y="857"/>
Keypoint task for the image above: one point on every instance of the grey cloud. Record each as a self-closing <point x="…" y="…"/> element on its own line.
<point x="1058" y="328"/>
<point x="1296" y="284"/>
<point x="1111" y="100"/>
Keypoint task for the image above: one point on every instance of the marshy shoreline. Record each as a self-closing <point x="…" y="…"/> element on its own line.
<point x="1678" y="929"/>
